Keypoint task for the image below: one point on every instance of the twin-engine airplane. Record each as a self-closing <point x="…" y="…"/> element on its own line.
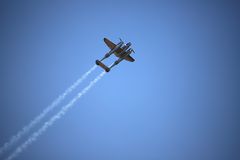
<point x="120" y="50"/>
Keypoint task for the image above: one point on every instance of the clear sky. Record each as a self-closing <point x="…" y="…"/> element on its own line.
<point x="178" y="101"/>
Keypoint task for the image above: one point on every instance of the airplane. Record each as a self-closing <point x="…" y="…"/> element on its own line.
<point x="120" y="50"/>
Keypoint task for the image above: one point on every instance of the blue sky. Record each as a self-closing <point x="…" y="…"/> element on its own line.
<point x="178" y="101"/>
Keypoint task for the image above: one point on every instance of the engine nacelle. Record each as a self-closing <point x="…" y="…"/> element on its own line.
<point x="118" y="61"/>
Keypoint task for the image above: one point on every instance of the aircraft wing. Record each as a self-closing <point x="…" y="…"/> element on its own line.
<point x="129" y="58"/>
<point x="110" y="44"/>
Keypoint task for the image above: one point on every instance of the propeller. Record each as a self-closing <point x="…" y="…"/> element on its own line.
<point x="120" y="39"/>
<point x="133" y="50"/>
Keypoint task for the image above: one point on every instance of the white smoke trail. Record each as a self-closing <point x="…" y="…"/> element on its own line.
<point x="57" y="116"/>
<point x="35" y="121"/>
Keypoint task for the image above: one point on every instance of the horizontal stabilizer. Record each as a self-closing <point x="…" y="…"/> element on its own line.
<point x="99" y="63"/>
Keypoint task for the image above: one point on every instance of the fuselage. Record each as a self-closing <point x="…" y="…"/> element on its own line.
<point x="124" y="49"/>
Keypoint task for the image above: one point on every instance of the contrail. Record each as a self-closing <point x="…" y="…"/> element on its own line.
<point x="35" y="121"/>
<point x="57" y="116"/>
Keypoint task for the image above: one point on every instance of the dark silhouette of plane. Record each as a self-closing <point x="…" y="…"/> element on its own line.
<point x="120" y="50"/>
